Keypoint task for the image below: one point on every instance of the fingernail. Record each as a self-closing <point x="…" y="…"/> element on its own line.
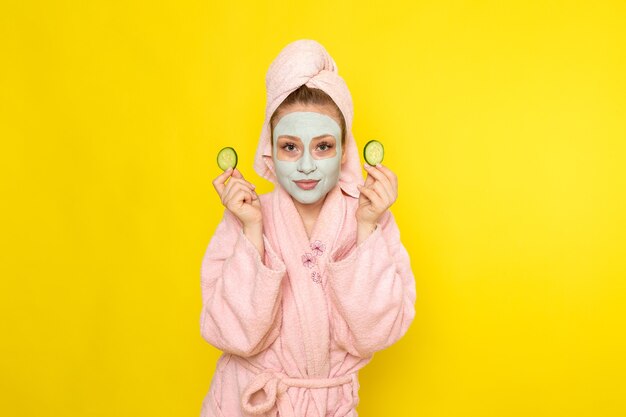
<point x="379" y="165"/>
<point x="367" y="166"/>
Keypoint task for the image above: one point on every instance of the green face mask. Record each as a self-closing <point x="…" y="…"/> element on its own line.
<point x="307" y="175"/>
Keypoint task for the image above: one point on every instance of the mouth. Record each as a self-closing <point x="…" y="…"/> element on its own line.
<point x="307" y="184"/>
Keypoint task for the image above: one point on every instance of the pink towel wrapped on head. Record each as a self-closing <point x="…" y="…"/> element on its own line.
<point x="296" y="326"/>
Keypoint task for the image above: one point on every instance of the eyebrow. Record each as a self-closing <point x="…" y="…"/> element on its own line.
<point x="315" y="138"/>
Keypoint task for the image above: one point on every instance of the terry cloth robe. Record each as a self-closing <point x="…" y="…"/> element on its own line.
<point x="296" y="326"/>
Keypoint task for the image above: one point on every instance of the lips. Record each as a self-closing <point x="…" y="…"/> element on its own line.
<point x="307" y="184"/>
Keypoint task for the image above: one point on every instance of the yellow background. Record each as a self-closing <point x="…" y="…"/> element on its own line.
<point x="505" y="122"/>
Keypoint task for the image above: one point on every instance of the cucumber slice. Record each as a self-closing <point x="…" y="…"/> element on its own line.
<point x="373" y="152"/>
<point x="227" y="158"/>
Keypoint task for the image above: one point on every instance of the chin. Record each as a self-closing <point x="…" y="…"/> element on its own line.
<point x="308" y="200"/>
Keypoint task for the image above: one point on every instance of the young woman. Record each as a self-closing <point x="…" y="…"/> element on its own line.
<point x="302" y="285"/>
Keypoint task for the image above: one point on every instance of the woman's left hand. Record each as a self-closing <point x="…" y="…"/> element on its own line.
<point x="378" y="193"/>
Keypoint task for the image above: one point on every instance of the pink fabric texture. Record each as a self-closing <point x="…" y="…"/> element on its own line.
<point x="297" y="326"/>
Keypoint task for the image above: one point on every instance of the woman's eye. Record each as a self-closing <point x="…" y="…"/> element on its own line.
<point x="289" y="147"/>
<point x="324" y="146"/>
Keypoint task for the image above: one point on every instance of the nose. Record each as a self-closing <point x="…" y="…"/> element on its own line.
<point x="306" y="164"/>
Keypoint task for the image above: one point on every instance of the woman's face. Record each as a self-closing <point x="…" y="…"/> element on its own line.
<point x="307" y="151"/>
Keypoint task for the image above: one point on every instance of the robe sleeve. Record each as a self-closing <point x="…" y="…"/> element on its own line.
<point x="241" y="311"/>
<point x="372" y="292"/>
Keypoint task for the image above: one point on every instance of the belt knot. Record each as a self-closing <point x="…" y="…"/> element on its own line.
<point x="275" y="385"/>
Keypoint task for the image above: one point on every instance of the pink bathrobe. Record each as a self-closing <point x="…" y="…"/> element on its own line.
<point x="296" y="326"/>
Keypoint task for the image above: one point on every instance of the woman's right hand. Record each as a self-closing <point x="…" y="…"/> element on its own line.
<point x="239" y="197"/>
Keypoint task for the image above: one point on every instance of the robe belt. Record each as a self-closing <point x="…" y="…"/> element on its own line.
<point x="275" y="385"/>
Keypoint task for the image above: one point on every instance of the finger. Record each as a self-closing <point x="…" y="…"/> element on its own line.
<point x="231" y="191"/>
<point x="380" y="193"/>
<point x="362" y="195"/>
<point x="382" y="185"/>
<point x="372" y="196"/>
<point x="244" y="197"/>
<point x="393" y="178"/>
<point x="237" y="173"/>
<point x="227" y="191"/>
<point x="377" y="174"/>
<point x="369" y="180"/>
<point x="239" y="198"/>
<point x="248" y="197"/>
<point x="384" y="191"/>
<point x="235" y="182"/>
<point x="218" y="182"/>
<point x="241" y="181"/>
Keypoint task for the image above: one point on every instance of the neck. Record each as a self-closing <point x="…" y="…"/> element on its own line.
<point x="309" y="212"/>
